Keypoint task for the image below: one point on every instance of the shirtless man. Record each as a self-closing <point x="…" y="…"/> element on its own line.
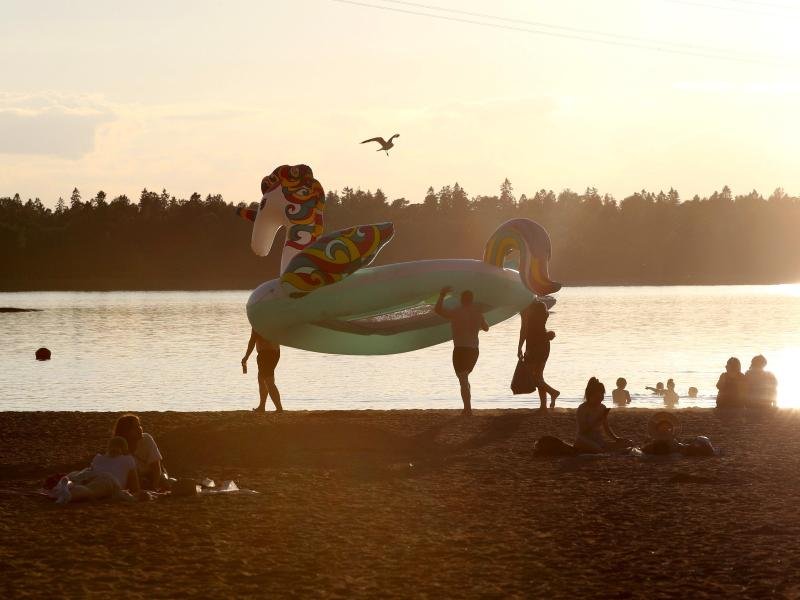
<point x="268" y="356"/>
<point x="466" y="321"/>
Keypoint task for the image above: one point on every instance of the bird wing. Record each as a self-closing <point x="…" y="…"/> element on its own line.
<point x="380" y="140"/>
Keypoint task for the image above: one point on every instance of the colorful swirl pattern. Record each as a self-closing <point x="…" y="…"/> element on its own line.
<point x="305" y="202"/>
<point x="333" y="257"/>
<point x="533" y="244"/>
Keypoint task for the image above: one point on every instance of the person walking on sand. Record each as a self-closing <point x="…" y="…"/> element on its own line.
<point x="466" y="321"/>
<point x="268" y="356"/>
<point x="537" y="348"/>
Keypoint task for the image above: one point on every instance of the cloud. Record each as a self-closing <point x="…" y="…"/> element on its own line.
<point x="51" y="124"/>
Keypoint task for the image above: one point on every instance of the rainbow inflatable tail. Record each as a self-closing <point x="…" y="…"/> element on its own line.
<point x="533" y="244"/>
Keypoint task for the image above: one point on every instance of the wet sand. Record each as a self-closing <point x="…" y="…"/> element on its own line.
<point x="407" y="504"/>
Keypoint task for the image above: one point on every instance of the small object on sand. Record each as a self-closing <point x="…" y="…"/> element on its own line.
<point x="43" y="354"/>
<point x="14" y="309"/>
<point x="385" y="146"/>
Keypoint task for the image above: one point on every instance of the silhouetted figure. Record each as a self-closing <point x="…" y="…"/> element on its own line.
<point x="663" y="429"/>
<point x="385" y="146"/>
<point x="658" y="390"/>
<point x="670" y="395"/>
<point x="594" y="433"/>
<point x="761" y="385"/>
<point x="731" y="386"/>
<point x="43" y="354"/>
<point x="692" y="392"/>
<point x="466" y="321"/>
<point x="537" y="348"/>
<point x="268" y="356"/>
<point x="621" y="396"/>
<point x="145" y="452"/>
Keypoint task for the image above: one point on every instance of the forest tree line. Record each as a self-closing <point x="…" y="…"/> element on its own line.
<point x="163" y="242"/>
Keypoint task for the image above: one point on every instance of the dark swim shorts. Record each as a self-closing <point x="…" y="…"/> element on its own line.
<point x="267" y="361"/>
<point x="464" y="359"/>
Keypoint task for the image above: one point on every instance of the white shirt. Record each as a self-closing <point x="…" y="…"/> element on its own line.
<point x="146" y="453"/>
<point x="119" y="467"/>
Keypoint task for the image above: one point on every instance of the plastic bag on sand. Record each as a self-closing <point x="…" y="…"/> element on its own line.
<point x="228" y="487"/>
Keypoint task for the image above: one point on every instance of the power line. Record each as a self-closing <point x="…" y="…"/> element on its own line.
<point x="593" y="32"/>
<point x="768" y="4"/>
<point x="654" y="46"/>
<point x="738" y="9"/>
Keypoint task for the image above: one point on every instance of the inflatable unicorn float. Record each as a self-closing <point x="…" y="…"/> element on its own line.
<point x="327" y="299"/>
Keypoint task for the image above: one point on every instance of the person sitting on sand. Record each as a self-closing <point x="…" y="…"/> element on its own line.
<point x="621" y="396"/>
<point x="269" y="354"/>
<point x="592" y="421"/>
<point x="110" y="475"/>
<point x="145" y="452"/>
<point x="658" y="390"/>
<point x="537" y="348"/>
<point x="670" y="395"/>
<point x="466" y="321"/>
<point x="731" y="385"/>
<point x="761" y="385"/>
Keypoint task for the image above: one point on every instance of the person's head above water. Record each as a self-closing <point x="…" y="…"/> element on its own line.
<point x="621" y="383"/>
<point x="670" y="384"/>
<point x="466" y="298"/>
<point x="758" y="362"/>
<point x="595" y="390"/>
<point x="692" y="392"/>
<point x="117" y="445"/>
<point x="733" y="365"/>
<point x="660" y="385"/>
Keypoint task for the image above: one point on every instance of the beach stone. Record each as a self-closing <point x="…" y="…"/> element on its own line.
<point x="43" y="354"/>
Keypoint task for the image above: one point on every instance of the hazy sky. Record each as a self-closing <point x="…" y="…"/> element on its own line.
<point x="210" y="96"/>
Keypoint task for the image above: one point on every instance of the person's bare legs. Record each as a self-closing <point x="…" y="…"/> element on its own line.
<point x="95" y="490"/>
<point x="273" y="392"/>
<point x="543" y="387"/>
<point x="263" y="392"/>
<point x="466" y="396"/>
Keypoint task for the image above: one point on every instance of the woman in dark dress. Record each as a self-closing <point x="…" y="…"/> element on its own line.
<point x="537" y="348"/>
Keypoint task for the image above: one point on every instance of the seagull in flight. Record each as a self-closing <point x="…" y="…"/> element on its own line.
<point x="385" y="146"/>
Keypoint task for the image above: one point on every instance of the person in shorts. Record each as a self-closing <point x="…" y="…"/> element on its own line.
<point x="268" y="356"/>
<point x="466" y="321"/>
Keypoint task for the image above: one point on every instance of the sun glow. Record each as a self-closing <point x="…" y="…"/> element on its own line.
<point x="784" y="364"/>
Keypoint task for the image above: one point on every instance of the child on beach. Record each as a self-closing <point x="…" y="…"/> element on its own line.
<point x="670" y="396"/>
<point x="658" y="390"/>
<point x="108" y="476"/>
<point x="621" y="396"/>
<point x="592" y="421"/>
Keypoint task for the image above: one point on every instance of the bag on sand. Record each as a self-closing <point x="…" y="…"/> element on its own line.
<point x="522" y="382"/>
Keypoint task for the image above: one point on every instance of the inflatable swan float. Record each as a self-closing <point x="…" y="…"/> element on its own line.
<point x="327" y="300"/>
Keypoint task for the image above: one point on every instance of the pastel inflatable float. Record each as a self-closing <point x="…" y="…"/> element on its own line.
<point x="328" y="300"/>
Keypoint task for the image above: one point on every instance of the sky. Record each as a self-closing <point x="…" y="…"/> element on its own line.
<point x="211" y="96"/>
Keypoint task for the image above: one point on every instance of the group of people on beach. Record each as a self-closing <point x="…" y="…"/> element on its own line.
<point x="130" y="467"/>
<point x="755" y="389"/>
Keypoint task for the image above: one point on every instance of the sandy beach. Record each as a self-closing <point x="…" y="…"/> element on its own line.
<point x="407" y="504"/>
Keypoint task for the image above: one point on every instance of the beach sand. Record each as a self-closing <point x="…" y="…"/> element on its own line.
<point x="407" y="504"/>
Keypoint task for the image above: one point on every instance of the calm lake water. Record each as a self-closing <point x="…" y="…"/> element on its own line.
<point x="181" y="351"/>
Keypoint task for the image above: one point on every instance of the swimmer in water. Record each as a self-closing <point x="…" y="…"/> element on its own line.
<point x="670" y="396"/>
<point x="658" y="390"/>
<point x="621" y="396"/>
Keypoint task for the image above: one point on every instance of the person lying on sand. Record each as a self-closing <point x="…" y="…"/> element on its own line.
<point x="145" y="452"/>
<point x="663" y="429"/>
<point x="592" y="421"/>
<point x="112" y="474"/>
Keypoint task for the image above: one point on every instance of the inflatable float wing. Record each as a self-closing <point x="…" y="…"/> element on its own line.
<point x="328" y="300"/>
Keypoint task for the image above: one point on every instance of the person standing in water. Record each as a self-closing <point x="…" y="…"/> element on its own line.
<point x="537" y="348"/>
<point x="268" y="356"/>
<point x="670" y="395"/>
<point x="466" y="321"/>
